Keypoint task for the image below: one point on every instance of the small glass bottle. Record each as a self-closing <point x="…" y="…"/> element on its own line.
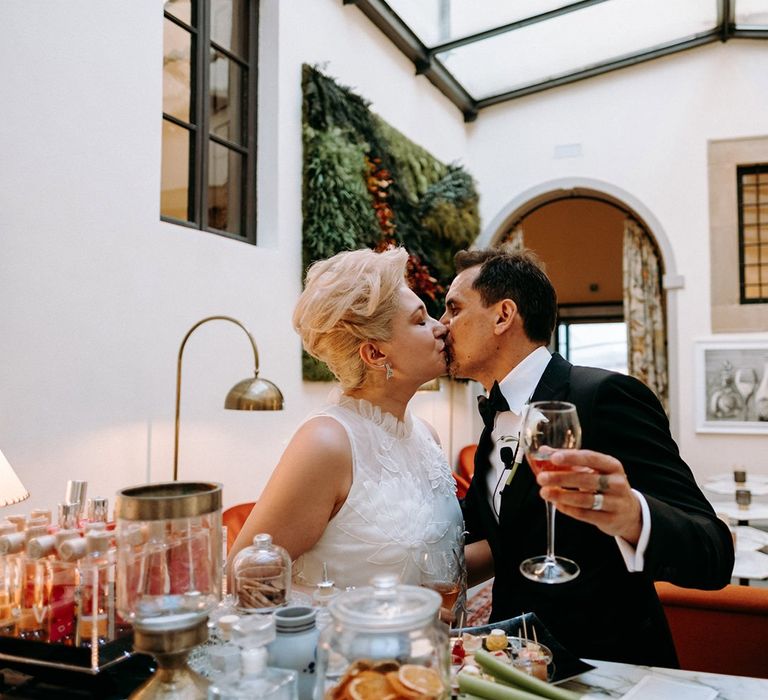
<point x="322" y="596"/>
<point x="7" y="622"/>
<point x="256" y="680"/>
<point x="67" y="516"/>
<point x="63" y="582"/>
<point x="262" y="576"/>
<point x="33" y="620"/>
<point x="97" y="610"/>
<point x="20" y="521"/>
<point x="75" y="494"/>
<point x="223" y="653"/>
<point x="44" y="513"/>
<point x="98" y="509"/>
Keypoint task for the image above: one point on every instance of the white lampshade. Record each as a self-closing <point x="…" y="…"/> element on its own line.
<point x="11" y="489"/>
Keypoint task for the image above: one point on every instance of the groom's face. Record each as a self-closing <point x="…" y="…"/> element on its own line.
<point x="470" y="343"/>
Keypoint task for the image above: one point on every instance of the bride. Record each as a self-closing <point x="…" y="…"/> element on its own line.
<point x="363" y="486"/>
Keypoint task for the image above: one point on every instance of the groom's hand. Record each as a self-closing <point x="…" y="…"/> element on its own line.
<point x="595" y="490"/>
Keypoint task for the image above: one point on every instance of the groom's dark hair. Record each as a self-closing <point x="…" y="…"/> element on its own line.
<point x="518" y="276"/>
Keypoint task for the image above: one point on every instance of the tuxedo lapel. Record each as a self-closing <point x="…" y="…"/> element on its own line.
<point x="553" y="385"/>
<point x="555" y="381"/>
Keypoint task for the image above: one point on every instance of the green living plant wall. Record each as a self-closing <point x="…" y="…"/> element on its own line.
<point x="367" y="185"/>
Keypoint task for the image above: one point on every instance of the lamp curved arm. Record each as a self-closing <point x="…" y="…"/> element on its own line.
<point x="178" y="378"/>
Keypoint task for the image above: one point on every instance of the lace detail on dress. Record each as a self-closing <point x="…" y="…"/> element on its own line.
<point x="386" y="421"/>
<point x="401" y="503"/>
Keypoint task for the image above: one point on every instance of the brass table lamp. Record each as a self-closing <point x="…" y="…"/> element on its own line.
<point x="252" y="394"/>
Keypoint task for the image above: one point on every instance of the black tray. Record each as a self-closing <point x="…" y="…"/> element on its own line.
<point x="84" y="659"/>
<point x="566" y="665"/>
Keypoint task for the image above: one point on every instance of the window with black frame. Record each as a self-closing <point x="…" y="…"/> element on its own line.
<point x="208" y="172"/>
<point x="753" y="233"/>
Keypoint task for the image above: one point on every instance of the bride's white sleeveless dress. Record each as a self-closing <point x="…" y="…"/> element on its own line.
<point x="402" y="501"/>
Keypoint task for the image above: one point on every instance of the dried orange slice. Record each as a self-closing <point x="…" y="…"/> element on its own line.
<point x="423" y="680"/>
<point x="369" y="687"/>
<point x="401" y="690"/>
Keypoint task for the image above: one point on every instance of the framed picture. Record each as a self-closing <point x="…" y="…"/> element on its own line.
<point x="732" y="386"/>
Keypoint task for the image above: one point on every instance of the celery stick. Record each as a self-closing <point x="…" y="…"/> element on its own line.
<point x="509" y="674"/>
<point x="490" y="690"/>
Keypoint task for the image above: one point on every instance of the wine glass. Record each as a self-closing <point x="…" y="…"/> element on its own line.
<point x="549" y="426"/>
<point x="443" y="572"/>
<point x="746" y="381"/>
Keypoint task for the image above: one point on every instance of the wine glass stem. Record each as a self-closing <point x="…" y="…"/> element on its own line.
<point x="551" y="511"/>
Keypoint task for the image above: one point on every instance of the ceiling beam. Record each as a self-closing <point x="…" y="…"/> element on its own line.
<point x="601" y="68"/>
<point x="401" y="35"/>
<point x="504" y="28"/>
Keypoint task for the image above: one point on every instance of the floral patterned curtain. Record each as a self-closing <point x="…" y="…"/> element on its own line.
<point x="644" y="311"/>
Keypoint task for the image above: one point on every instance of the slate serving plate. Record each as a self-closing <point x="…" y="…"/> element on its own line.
<point x="566" y="665"/>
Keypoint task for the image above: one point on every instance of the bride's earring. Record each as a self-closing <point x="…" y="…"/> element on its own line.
<point x="390" y="372"/>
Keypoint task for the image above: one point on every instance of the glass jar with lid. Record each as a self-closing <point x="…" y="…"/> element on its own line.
<point x="261" y="575"/>
<point x="169" y="577"/>
<point x="391" y="630"/>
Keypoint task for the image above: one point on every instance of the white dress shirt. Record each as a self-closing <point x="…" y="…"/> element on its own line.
<point x="517" y="388"/>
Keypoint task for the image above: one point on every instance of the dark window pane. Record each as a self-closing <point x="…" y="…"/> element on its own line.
<point x="749" y="194"/>
<point x="181" y="9"/>
<point x="229" y="25"/>
<point x="752" y="292"/>
<point x="226" y="98"/>
<point x="174" y="187"/>
<point x="177" y="71"/>
<point x="225" y="186"/>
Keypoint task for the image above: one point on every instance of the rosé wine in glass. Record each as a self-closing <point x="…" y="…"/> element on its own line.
<point x="549" y="426"/>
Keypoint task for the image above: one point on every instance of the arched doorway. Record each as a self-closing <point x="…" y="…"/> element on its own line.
<point x="607" y="266"/>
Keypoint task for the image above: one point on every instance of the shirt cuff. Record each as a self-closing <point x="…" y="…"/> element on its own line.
<point x="634" y="557"/>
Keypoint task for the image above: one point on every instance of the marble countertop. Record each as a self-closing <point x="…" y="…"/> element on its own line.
<point x="615" y="680"/>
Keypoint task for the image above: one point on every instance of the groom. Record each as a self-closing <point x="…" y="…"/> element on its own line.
<point x="634" y="517"/>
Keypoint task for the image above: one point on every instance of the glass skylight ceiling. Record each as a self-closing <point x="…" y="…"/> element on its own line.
<point x="480" y="52"/>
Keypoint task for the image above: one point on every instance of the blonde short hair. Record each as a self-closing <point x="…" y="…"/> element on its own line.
<point x="349" y="299"/>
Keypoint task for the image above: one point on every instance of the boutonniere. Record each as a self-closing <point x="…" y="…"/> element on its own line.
<point x="508" y="427"/>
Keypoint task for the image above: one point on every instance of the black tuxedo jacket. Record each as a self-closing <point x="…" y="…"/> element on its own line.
<point x="606" y="612"/>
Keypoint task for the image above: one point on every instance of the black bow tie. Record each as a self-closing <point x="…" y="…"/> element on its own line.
<point x="490" y="406"/>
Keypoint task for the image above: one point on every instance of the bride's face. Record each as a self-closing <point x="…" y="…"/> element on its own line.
<point x="417" y="347"/>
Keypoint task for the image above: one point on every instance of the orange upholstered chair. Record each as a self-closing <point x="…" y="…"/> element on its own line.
<point x="723" y="631"/>
<point x="462" y="485"/>
<point x="233" y="519"/>
<point x="465" y="469"/>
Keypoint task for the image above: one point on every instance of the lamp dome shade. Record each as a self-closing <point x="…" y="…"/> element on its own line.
<point x="254" y="394"/>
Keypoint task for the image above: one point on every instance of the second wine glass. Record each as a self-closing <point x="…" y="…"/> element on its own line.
<point x="442" y="571"/>
<point x="549" y="426"/>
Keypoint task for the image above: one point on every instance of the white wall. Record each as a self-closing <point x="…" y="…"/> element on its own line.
<point x="97" y="293"/>
<point x="644" y="131"/>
